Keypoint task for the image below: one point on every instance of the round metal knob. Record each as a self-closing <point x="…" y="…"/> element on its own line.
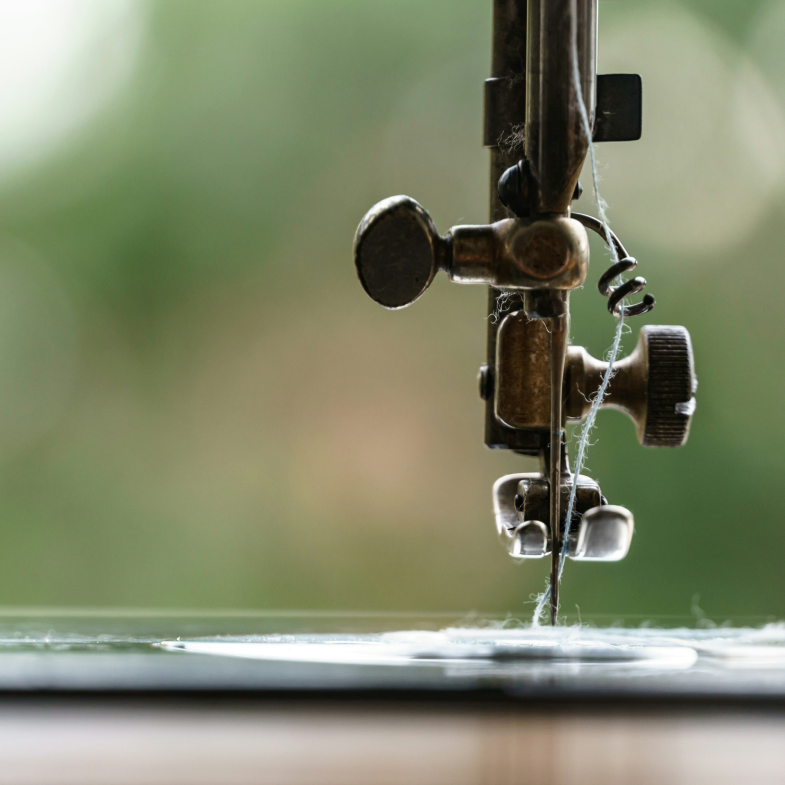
<point x="670" y="399"/>
<point x="397" y="252"/>
<point x="655" y="385"/>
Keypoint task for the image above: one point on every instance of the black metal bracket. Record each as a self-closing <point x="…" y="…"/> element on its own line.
<point x="618" y="117"/>
<point x="619" y="114"/>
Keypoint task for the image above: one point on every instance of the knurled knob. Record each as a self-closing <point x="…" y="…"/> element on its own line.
<point x="655" y="385"/>
<point x="671" y="386"/>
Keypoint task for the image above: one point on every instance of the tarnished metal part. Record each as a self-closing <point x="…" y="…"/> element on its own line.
<point x="542" y="68"/>
<point x="558" y="33"/>
<point x="618" y="115"/>
<point x="397" y="251"/>
<point x="547" y="253"/>
<point x="627" y="391"/>
<point x="655" y="385"/>
<point x="556" y="142"/>
<point x="522" y="389"/>
<point x="508" y="62"/>
<point x="672" y="386"/>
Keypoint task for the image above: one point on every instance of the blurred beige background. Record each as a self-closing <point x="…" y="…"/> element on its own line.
<point x="199" y="406"/>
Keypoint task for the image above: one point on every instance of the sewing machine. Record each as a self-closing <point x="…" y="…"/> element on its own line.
<point x="144" y="696"/>
<point x="532" y="255"/>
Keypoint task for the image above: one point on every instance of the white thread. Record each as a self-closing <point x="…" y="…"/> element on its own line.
<point x="614" y="350"/>
<point x="502" y="302"/>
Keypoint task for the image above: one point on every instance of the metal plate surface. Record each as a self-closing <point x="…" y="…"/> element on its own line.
<point x="356" y="654"/>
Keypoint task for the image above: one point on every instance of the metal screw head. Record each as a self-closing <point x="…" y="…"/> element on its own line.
<point x="513" y="189"/>
<point x="485" y="381"/>
<point x="397" y="251"/>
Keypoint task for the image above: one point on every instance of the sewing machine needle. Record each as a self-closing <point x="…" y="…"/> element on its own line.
<point x="558" y="352"/>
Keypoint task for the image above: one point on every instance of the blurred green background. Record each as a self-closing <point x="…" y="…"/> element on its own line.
<point x="199" y="407"/>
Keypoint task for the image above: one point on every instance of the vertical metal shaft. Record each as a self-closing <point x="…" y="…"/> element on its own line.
<point x="508" y="64"/>
<point x="559" y="326"/>
<point x="555" y="142"/>
<point x="532" y="85"/>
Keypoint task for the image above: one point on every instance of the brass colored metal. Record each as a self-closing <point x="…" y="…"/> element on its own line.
<point x="654" y="386"/>
<point x="508" y="63"/>
<point x="626" y="392"/>
<point x="523" y="379"/>
<point x="546" y="253"/>
<point x="397" y="253"/>
<point x="556" y="143"/>
<point x="505" y="112"/>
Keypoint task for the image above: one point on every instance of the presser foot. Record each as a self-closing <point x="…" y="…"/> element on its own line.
<point x="598" y="531"/>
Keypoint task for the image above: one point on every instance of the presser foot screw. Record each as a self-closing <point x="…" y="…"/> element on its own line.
<point x="485" y="381"/>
